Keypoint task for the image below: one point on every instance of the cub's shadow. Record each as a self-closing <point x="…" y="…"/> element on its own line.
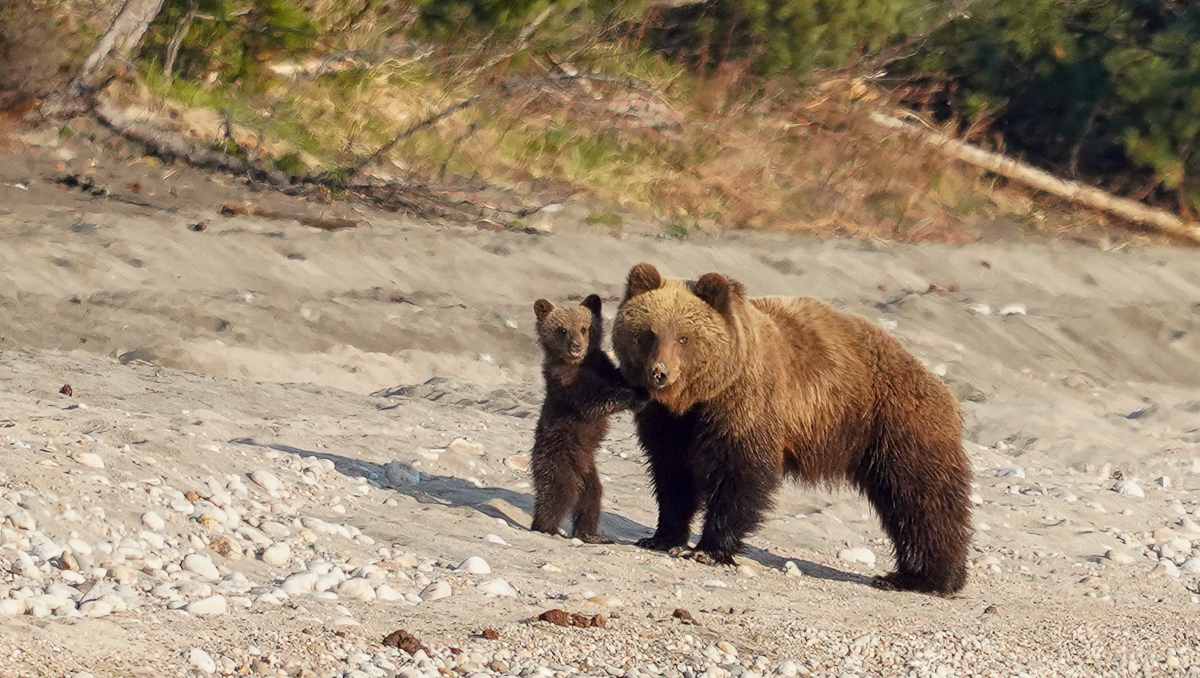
<point x="499" y="502"/>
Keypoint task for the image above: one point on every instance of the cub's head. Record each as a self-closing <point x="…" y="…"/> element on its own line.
<point x="676" y="338"/>
<point x="568" y="333"/>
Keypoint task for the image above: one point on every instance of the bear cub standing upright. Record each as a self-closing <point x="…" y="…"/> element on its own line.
<point x="583" y="387"/>
<point x="745" y="391"/>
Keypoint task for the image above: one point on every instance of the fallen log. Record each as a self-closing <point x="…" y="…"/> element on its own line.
<point x="230" y="209"/>
<point x="1088" y="196"/>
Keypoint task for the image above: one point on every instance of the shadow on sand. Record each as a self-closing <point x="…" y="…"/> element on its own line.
<point x="515" y="508"/>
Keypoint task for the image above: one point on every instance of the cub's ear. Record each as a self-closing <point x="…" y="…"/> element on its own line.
<point x="542" y="308"/>
<point x="718" y="291"/>
<point x="642" y="278"/>
<point x="593" y="303"/>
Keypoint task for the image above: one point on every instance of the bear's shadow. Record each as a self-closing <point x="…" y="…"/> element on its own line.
<point x="458" y="493"/>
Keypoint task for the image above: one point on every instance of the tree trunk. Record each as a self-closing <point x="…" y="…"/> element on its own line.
<point x="1129" y="210"/>
<point x="122" y="36"/>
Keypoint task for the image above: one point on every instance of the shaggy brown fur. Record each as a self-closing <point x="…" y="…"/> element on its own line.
<point x="745" y="391"/>
<point x="583" y="388"/>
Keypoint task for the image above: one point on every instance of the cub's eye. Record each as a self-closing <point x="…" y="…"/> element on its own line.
<point x="562" y="331"/>
<point x="683" y="340"/>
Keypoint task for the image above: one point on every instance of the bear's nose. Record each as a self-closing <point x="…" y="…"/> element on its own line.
<point x="659" y="374"/>
<point x="576" y="348"/>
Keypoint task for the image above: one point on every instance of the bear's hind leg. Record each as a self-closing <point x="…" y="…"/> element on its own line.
<point x="556" y="490"/>
<point x="586" y="524"/>
<point x="925" y="510"/>
<point x="740" y="482"/>
<point x="667" y="440"/>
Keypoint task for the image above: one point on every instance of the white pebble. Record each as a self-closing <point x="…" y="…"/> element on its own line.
<point x="787" y="668"/>
<point x="857" y="555"/>
<point x="277" y="554"/>
<point x="301" y="582"/>
<point x="1013" y="309"/>
<point x="714" y="584"/>
<point x="89" y="459"/>
<point x="1191" y="565"/>
<point x="1128" y="487"/>
<point x="494" y="539"/>
<point x="1165" y="568"/>
<point x="497" y="587"/>
<point x="465" y="446"/>
<point x="1011" y="472"/>
<point x="357" y="588"/>
<point x="475" y="565"/>
<point x="96" y="608"/>
<point x="201" y="565"/>
<point x="153" y="521"/>
<point x="265" y="479"/>
<point x="1164" y="482"/>
<point x="211" y="605"/>
<point x="10" y="607"/>
<point x="387" y="594"/>
<point x="435" y="591"/>
<point x="201" y="660"/>
<point x="1120" y="556"/>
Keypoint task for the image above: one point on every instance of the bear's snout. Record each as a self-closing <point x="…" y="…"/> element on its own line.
<point x="575" y="349"/>
<point x="660" y="375"/>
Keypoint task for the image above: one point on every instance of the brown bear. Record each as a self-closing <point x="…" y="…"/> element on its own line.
<point x="745" y="391"/>
<point x="583" y="387"/>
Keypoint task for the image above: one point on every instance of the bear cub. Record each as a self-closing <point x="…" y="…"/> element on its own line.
<point x="583" y="387"/>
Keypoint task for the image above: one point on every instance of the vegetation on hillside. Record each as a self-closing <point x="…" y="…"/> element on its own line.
<point x="743" y="113"/>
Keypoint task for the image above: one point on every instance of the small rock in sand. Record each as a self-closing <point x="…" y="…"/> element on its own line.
<point x="1128" y="487"/>
<point x="201" y="660"/>
<point x="474" y="565"/>
<point x="401" y="474"/>
<point x="358" y="588"/>
<point x="89" y="459"/>
<point x="277" y="554"/>
<point x="857" y="555"/>
<point x="436" y="590"/>
<point x="497" y="587"/>
<point x="212" y="605"/>
<point x="1119" y="556"/>
<point x="201" y="565"/>
<point x="153" y="521"/>
<point x="265" y="479"/>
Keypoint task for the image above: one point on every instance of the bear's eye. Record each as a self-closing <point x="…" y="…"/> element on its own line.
<point x="562" y="331"/>
<point x="683" y="340"/>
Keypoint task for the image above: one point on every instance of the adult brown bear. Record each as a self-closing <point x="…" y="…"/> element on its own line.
<point x="747" y="390"/>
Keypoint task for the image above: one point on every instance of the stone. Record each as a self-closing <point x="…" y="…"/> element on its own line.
<point x="474" y="565"/>
<point x="497" y="587"/>
<point x="266" y="480"/>
<point x="857" y="555"/>
<point x="465" y="446"/>
<point x="1120" y="556"/>
<point x="358" y="588"/>
<point x="387" y="594"/>
<point x="201" y="565"/>
<point x="89" y="459"/>
<point x="201" y="660"/>
<point x="153" y="521"/>
<point x="1129" y="488"/>
<point x="212" y="605"/>
<point x="435" y="591"/>
<point x="277" y="554"/>
<point x="96" y="608"/>
<point x="401" y="474"/>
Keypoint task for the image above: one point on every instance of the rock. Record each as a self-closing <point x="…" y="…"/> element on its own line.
<point x="787" y="668"/>
<point x="474" y="565"/>
<point x="1010" y="472"/>
<point x="1120" y="556"/>
<point x="1165" y="568"/>
<point x="387" y="594"/>
<point x="212" y="605"/>
<point x="857" y="555"/>
<point x="1191" y="565"/>
<point x="518" y="462"/>
<point x="21" y="520"/>
<point x="401" y="474"/>
<point x="791" y="569"/>
<point x="727" y="648"/>
<point x="89" y="459"/>
<point x="11" y="608"/>
<point x="201" y="660"/>
<point x="1164" y="482"/>
<point x="96" y="608"/>
<point x="465" y="446"/>
<point x="714" y="584"/>
<point x="301" y="582"/>
<point x="266" y="480"/>
<point x="494" y="539"/>
<point x="436" y="590"/>
<point x="153" y="521"/>
<point x="497" y="587"/>
<point x="357" y="588"/>
<point x="277" y="554"/>
<point x="201" y="565"/>
<point x="1013" y="309"/>
<point x="1128" y="487"/>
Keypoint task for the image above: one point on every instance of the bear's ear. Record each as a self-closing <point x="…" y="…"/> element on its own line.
<point x="718" y="291"/>
<point x="642" y="278"/>
<point x="593" y="303"/>
<point x="542" y="308"/>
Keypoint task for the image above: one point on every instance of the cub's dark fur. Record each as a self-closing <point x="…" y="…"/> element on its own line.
<point x="583" y="388"/>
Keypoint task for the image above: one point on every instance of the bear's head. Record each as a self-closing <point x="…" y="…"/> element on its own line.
<point x="568" y="333"/>
<point x="678" y="339"/>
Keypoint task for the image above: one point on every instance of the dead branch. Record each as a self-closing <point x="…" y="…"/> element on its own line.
<point x="230" y="209"/>
<point x="123" y="35"/>
<point x="413" y="129"/>
<point x="1129" y="210"/>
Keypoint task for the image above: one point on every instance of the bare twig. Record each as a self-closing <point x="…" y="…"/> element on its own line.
<point x="413" y="129"/>
<point x="181" y="31"/>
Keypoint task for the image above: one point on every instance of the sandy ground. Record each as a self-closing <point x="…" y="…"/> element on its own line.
<point x="197" y="358"/>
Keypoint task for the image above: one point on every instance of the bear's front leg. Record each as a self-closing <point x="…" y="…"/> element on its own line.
<point x="667" y="440"/>
<point x="740" y="480"/>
